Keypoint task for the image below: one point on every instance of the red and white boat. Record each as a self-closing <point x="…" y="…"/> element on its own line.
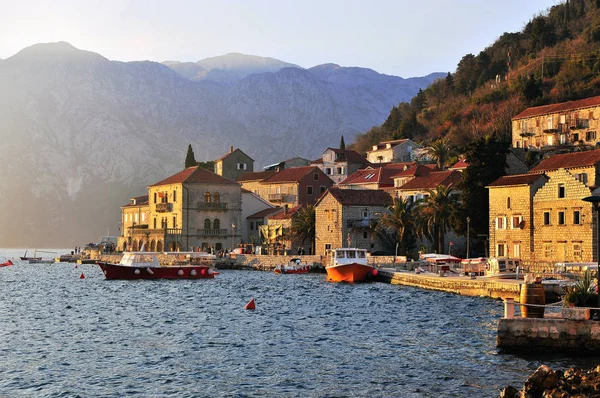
<point x="145" y="265"/>
<point x="349" y="265"/>
<point x="294" y="266"/>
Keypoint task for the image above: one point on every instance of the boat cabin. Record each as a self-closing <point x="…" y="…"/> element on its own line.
<point x="501" y="265"/>
<point x="348" y="256"/>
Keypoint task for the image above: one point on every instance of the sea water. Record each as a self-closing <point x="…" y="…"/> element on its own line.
<point x="63" y="336"/>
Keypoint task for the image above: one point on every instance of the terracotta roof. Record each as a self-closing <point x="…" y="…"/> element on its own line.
<point x="568" y="160"/>
<point x="460" y="165"/>
<point x="516" y="179"/>
<point x="256" y="176"/>
<point x="265" y="212"/>
<point x="139" y="201"/>
<point x="317" y="161"/>
<point x="295" y="174"/>
<point x="416" y="171"/>
<point x="347" y="155"/>
<point x="433" y="179"/>
<point x="361" y="197"/>
<point x="193" y="175"/>
<point x="377" y="174"/>
<point x="285" y="216"/>
<point x="560" y="107"/>
<point x="231" y="152"/>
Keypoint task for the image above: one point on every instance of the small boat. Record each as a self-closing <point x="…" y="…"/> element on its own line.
<point x="25" y="258"/>
<point x="349" y="265"/>
<point x="145" y="265"/>
<point x="6" y="263"/>
<point x="294" y="266"/>
<point x="503" y="268"/>
<point x="41" y="260"/>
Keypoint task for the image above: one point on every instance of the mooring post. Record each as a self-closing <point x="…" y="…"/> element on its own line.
<point x="509" y="308"/>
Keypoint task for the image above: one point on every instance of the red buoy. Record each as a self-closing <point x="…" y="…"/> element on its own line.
<point x="251" y="305"/>
<point x="374" y="272"/>
<point x="82" y="276"/>
<point x="75" y="265"/>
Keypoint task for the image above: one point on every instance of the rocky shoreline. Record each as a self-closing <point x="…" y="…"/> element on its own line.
<point x="548" y="383"/>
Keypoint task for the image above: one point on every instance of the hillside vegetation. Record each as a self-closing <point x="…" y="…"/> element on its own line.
<point x="555" y="58"/>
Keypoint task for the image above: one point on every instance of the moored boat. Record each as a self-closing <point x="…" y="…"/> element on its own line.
<point x="25" y="258"/>
<point x="6" y="263"/>
<point x="294" y="266"/>
<point x="349" y="265"/>
<point x="145" y="265"/>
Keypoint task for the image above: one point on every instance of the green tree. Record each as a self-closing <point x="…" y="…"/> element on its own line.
<point x="400" y="220"/>
<point x="440" y="151"/>
<point x="342" y="144"/>
<point x="303" y="226"/>
<point x="190" y="159"/>
<point x="434" y="214"/>
<point x="208" y="165"/>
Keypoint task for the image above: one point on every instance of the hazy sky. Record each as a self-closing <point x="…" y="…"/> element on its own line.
<point x="398" y="37"/>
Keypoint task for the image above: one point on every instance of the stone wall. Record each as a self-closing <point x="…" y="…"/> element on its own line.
<point x="548" y="334"/>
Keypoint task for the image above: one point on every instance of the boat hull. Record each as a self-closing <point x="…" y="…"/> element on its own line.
<point x="350" y="273"/>
<point x="292" y="271"/>
<point x="117" y="271"/>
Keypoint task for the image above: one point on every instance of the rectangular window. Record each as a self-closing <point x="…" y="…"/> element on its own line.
<point x="549" y="121"/>
<point x="517" y="250"/>
<point x="309" y="190"/>
<point x="327" y="248"/>
<point x="561" y="218"/>
<point x="563" y="139"/>
<point x="365" y="214"/>
<point x="563" y="119"/>
<point x="174" y="196"/>
<point x="365" y="235"/>
<point x="241" y="166"/>
<point x="546" y="218"/>
<point x="126" y="217"/>
<point x="591" y="115"/>
<point x="316" y="176"/>
<point x="577" y="250"/>
<point x="590" y="135"/>
<point x="329" y="215"/>
<point x="322" y="188"/>
<point x="218" y="246"/>
<point x="548" y="250"/>
<point x="251" y="225"/>
<point x="340" y="170"/>
<point x="154" y="197"/>
<point x="501" y="251"/>
<point x="328" y="171"/>
<point x="143" y="217"/>
<point x="582" y="177"/>
<point x="500" y="223"/>
<point x="174" y="222"/>
<point x="550" y="140"/>
<point x="136" y="217"/>
<point x="537" y="122"/>
<point x="561" y="190"/>
<point x="575" y="137"/>
<point x="576" y="217"/>
<point x="516" y="221"/>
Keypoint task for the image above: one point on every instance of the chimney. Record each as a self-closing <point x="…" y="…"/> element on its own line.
<point x="285" y="209"/>
<point x="231" y="149"/>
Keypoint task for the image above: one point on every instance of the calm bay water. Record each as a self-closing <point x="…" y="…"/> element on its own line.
<point x="61" y="336"/>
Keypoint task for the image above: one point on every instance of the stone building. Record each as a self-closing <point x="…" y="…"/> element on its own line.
<point x="345" y="218"/>
<point x="338" y="164"/>
<point x="276" y="233"/>
<point x="558" y="126"/>
<point x="133" y="215"/>
<point x="417" y="187"/>
<point x="291" y="187"/>
<point x="393" y="151"/>
<point x="233" y="164"/>
<point x="255" y="221"/>
<point x="288" y="164"/>
<point x="193" y="208"/>
<point x="563" y="226"/>
<point x="511" y="232"/>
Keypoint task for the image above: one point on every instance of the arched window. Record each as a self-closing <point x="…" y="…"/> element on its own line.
<point x="207" y="197"/>
<point x="217" y="224"/>
<point x="206" y="223"/>
<point x="508" y="202"/>
<point x="217" y="197"/>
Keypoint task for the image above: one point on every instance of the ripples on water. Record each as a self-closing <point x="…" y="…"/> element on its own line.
<point x="62" y="336"/>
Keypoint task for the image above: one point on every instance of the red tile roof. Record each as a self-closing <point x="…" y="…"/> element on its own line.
<point x="560" y="107"/>
<point x="415" y="171"/>
<point x="568" y="160"/>
<point x="360" y="197"/>
<point x="256" y="176"/>
<point x="265" y="212"/>
<point x="516" y="179"/>
<point x="432" y="180"/>
<point x="139" y="201"/>
<point x="380" y="174"/>
<point x="295" y="174"/>
<point x="194" y="175"/>
<point x="285" y="216"/>
<point x="460" y="165"/>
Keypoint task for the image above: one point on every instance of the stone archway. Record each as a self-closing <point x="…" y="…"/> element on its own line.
<point x="134" y="246"/>
<point x="152" y="245"/>
<point x="174" y="246"/>
<point x="159" y="246"/>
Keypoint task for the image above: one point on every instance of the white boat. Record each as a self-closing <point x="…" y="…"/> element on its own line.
<point x="349" y="265"/>
<point x="504" y="268"/>
<point x="40" y="260"/>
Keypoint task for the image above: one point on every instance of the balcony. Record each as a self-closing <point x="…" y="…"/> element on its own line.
<point x="212" y="232"/>
<point x="282" y="197"/>
<point x="163" y="207"/>
<point x="212" y="206"/>
<point x="360" y="223"/>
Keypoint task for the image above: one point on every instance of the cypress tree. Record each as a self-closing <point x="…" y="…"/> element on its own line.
<point x="190" y="159"/>
<point x="342" y="144"/>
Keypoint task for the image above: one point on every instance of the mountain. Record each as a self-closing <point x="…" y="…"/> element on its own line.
<point x="81" y="134"/>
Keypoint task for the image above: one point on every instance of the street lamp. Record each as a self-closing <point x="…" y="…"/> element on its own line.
<point x="468" y="221"/>
<point x="595" y="201"/>
<point x="232" y="235"/>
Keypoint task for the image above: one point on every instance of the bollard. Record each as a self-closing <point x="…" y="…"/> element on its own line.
<point x="509" y="308"/>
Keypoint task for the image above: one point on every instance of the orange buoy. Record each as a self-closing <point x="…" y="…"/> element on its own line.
<point x="82" y="276"/>
<point x="251" y="305"/>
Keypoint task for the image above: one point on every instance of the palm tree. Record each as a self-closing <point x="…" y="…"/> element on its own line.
<point x="303" y="226"/>
<point x="400" y="220"/>
<point x="439" y="150"/>
<point x="434" y="213"/>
